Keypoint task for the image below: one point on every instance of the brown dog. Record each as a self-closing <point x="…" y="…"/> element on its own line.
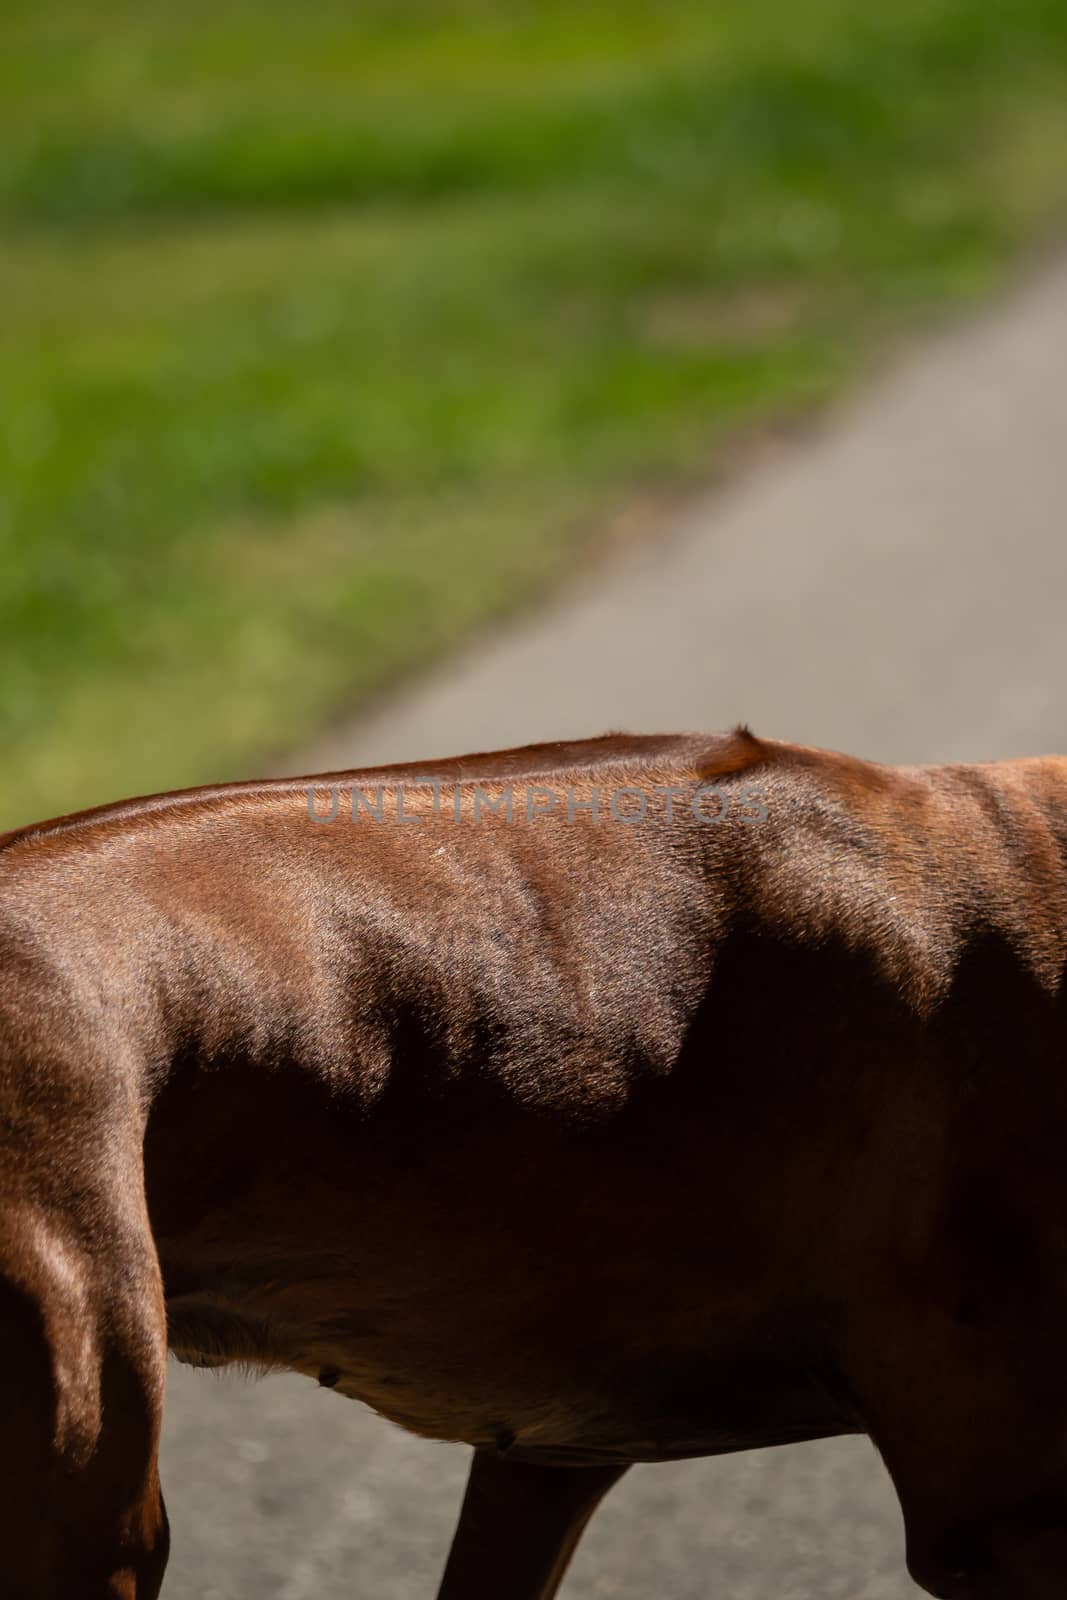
<point x="590" y="1103"/>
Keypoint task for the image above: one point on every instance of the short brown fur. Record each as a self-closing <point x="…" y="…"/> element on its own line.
<point x="582" y="1137"/>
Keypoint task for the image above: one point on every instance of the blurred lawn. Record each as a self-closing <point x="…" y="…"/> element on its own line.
<point x="330" y="330"/>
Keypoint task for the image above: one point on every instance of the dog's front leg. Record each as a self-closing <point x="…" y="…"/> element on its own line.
<point x="519" y="1526"/>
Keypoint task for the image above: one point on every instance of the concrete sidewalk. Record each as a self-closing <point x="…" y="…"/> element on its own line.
<point x="895" y="586"/>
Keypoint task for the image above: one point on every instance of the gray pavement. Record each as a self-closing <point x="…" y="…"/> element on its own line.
<point x="895" y="585"/>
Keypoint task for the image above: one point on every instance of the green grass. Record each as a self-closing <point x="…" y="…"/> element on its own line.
<point x="329" y="331"/>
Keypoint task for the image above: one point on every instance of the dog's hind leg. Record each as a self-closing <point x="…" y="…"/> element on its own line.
<point x="82" y="1353"/>
<point x="519" y="1526"/>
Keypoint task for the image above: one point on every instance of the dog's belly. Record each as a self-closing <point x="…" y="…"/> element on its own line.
<point x="530" y="1401"/>
<point x="482" y="1270"/>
